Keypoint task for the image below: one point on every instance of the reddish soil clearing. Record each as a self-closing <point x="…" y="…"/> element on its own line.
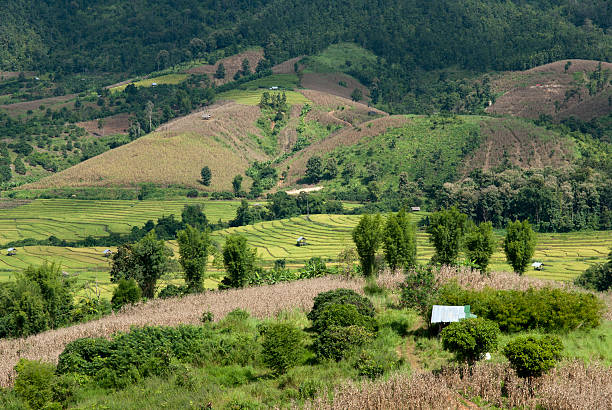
<point x="527" y="147"/>
<point x="54" y="103"/>
<point x="232" y="65"/>
<point x="330" y="83"/>
<point x="533" y="92"/>
<point x="287" y="67"/>
<point x="345" y="136"/>
<point x="117" y="124"/>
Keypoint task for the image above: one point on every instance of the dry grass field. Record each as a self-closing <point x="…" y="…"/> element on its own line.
<point x="533" y="92"/>
<point x="115" y="124"/>
<point x="175" y="153"/>
<point x="55" y="103"/>
<point x="330" y="83"/>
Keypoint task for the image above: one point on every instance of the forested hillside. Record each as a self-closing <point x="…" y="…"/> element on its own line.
<point x="409" y="37"/>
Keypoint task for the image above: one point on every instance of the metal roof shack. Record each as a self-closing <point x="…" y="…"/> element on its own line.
<point x="448" y="314"/>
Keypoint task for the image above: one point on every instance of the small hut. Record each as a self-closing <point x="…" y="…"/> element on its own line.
<point x="11" y="252"/>
<point x="415" y="208"/>
<point x="537" y="265"/>
<point x="301" y="241"/>
<point x="206" y="116"/>
<point x="107" y="253"/>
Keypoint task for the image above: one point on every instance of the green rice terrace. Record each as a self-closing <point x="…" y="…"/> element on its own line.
<point x="564" y="255"/>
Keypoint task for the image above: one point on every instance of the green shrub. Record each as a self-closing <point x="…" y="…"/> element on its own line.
<point x="84" y="356"/>
<point x="514" y="311"/>
<point x="207" y="317"/>
<point x="184" y="377"/>
<point x="470" y="339"/>
<point x="336" y="342"/>
<point x="533" y="356"/>
<point x="314" y="268"/>
<point x="341" y="296"/>
<point x="34" y="382"/>
<point x="171" y="291"/>
<point x="597" y="277"/>
<point x="419" y="289"/>
<point x="309" y="388"/>
<point x="342" y="315"/>
<point x="282" y="346"/>
<point x="126" y="292"/>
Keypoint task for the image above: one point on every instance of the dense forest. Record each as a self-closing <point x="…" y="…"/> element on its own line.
<point x="409" y="37"/>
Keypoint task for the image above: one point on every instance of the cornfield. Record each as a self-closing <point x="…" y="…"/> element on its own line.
<point x="573" y="385"/>
<point x="263" y="301"/>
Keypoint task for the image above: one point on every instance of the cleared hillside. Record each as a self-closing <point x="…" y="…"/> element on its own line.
<point x="579" y="88"/>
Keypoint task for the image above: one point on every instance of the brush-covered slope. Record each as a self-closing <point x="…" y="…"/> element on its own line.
<point x="578" y="88"/>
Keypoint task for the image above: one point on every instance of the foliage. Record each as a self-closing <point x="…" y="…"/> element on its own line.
<point x="519" y="245"/>
<point x="597" y="277"/>
<point x="314" y="268"/>
<point x="127" y="292"/>
<point x="470" y="339"/>
<point x="533" y="356"/>
<point x="193" y="215"/>
<point x="399" y="241"/>
<point x="367" y="237"/>
<point x="336" y="342"/>
<point x="239" y="260"/>
<point x="514" y="311"/>
<point x="193" y="256"/>
<point x="446" y="228"/>
<point x="282" y="346"/>
<point x="172" y="291"/>
<point x="335" y="314"/>
<point x="479" y="245"/>
<point x="206" y="175"/>
<point x="39" y="299"/>
<point x="314" y="169"/>
<point x="34" y="383"/>
<point x="144" y="261"/>
<point x="419" y="289"/>
<point x="343" y="297"/>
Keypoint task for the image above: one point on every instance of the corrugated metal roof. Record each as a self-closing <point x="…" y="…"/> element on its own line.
<point x="447" y="314"/>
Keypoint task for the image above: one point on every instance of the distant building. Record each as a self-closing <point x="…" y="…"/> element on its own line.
<point x="11" y="251"/>
<point x="206" y="116"/>
<point x="107" y="252"/>
<point x="415" y="208"/>
<point x="301" y="241"/>
<point x="274" y="88"/>
<point x="537" y="265"/>
<point x="449" y="314"/>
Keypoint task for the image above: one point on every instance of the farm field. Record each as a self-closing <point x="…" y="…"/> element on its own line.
<point x="148" y="82"/>
<point x="252" y="97"/>
<point x="74" y="219"/>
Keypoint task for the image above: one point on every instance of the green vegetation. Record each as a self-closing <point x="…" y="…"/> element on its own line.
<point x="127" y="292"/>
<point x="597" y="277"/>
<point x="239" y="261"/>
<point x="470" y="339"/>
<point x="531" y="356"/>
<point x="447" y="229"/>
<point x="519" y="245"/>
<point x="193" y="250"/>
<point x="253" y="97"/>
<point x="479" y="245"/>
<point x="148" y="82"/>
<point x="367" y="236"/>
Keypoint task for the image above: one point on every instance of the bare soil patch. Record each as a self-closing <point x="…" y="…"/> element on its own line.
<point x="287" y="67"/>
<point x="542" y="90"/>
<point x="116" y="124"/>
<point x="330" y="83"/>
<point x="54" y="103"/>
<point x="232" y="65"/>
<point x="524" y="145"/>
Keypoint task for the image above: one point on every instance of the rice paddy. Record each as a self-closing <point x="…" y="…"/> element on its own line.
<point x="148" y="82"/>
<point x="71" y="219"/>
<point x="252" y="97"/>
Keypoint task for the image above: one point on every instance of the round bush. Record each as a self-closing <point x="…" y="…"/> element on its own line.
<point x="341" y="296"/>
<point x="470" y="339"/>
<point x="127" y="292"/>
<point x="282" y="346"/>
<point x="172" y="291"/>
<point x="335" y="342"/>
<point x="83" y="356"/>
<point x="342" y="315"/>
<point x="533" y="356"/>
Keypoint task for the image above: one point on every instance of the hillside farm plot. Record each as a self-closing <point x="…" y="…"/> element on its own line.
<point x="252" y="97"/>
<point x="148" y="82"/>
<point x="72" y="219"/>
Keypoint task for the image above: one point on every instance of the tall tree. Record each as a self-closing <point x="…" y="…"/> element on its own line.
<point x="206" y="175"/>
<point x="519" y="245"/>
<point x="237" y="184"/>
<point x="193" y="215"/>
<point x="314" y="169"/>
<point x="446" y="229"/>
<point x="399" y="241"/>
<point x="220" y="73"/>
<point x="239" y="260"/>
<point x="479" y="245"/>
<point x="193" y="256"/>
<point x="145" y="261"/>
<point x="367" y="237"/>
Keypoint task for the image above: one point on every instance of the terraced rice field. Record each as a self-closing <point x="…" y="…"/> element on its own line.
<point x="564" y="255"/>
<point x="74" y="219"/>
<point x="148" y="82"/>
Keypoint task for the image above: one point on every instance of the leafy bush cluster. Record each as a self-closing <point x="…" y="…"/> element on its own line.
<point x="514" y="311"/>
<point x="470" y="339"/>
<point x="533" y="356"/>
<point x="597" y="277"/>
<point x="419" y="289"/>
<point x="282" y="346"/>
